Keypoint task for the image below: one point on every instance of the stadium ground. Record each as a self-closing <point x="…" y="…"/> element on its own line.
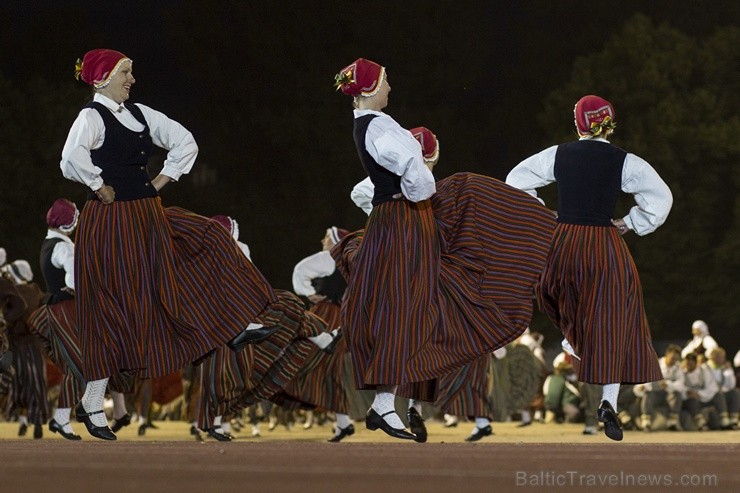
<point x="535" y="458"/>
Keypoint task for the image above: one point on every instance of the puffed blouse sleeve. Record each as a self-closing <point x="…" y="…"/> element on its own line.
<point x="173" y="137"/>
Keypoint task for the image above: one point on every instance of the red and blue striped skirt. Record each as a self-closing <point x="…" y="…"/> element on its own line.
<point x="467" y="390"/>
<point x="590" y="289"/>
<point x="56" y="328"/>
<point x="435" y="285"/>
<point x="232" y="380"/>
<point x="158" y="288"/>
<point x="321" y="382"/>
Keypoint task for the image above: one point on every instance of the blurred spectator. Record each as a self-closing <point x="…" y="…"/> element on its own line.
<point x="702" y="391"/>
<point x="562" y="395"/>
<point x="724" y="373"/>
<point x="702" y="342"/>
<point x="664" y="394"/>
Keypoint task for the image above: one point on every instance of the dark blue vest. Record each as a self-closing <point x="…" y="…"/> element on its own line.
<point x="387" y="184"/>
<point x="589" y="179"/>
<point x="123" y="156"/>
<point x="331" y="286"/>
<point x="53" y="276"/>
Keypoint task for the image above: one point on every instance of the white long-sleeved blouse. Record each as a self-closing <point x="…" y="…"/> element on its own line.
<point x="319" y="264"/>
<point x="63" y="256"/>
<point x="652" y="195"/>
<point x="395" y="149"/>
<point x="88" y="133"/>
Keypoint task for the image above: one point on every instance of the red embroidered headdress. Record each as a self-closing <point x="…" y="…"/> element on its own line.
<point x="336" y="234"/>
<point x="98" y="66"/>
<point x="231" y="225"/>
<point x="62" y="215"/>
<point x="360" y="78"/>
<point x="593" y="116"/>
<point x="428" y="141"/>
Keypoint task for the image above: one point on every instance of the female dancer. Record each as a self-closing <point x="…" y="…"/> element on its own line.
<point x="590" y="288"/>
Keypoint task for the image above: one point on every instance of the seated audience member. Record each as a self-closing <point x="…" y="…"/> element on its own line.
<point x="665" y="394"/>
<point x="562" y="396"/>
<point x="702" y="342"/>
<point x="702" y="391"/>
<point x="724" y="373"/>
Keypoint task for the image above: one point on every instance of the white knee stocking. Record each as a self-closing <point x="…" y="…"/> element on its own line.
<point x="92" y="401"/>
<point x="610" y="393"/>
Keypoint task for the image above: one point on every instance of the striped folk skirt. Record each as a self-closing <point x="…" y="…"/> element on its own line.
<point x="321" y="382"/>
<point x="467" y="390"/>
<point x="590" y="289"/>
<point x="28" y="384"/>
<point x="435" y="285"/>
<point x="55" y="326"/>
<point x="232" y="381"/>
<point x="158" y="288"/>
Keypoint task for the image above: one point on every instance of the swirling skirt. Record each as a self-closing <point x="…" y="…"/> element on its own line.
<point x="435" y="285"/>
<point x="158" y="288"/>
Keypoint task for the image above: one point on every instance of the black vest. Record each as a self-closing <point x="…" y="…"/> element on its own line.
<point x="123" y="156"/>
<point x="331" y="286"/>
<point x="53" y="276"/>
<point x="589" y="178"/>
<point x="387" y="184"/>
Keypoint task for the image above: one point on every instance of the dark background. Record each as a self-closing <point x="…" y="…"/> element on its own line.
<point x="495" y="80"/>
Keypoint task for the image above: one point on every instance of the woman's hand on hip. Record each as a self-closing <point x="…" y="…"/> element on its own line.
<point x="160" y="181"/>
<point x="620" y="225"/>
<point x="106" y="194"/>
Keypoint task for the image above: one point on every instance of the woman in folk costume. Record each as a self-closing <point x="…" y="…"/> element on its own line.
<point x="55" y="321"/>
<point x="234" y="380"/>
<point x="420" y="296"/>
<point x="6" y="357"/>
<point x="136" y="262"/>
<point x="28" y="386"/>
<point x="12" y="308"/>
<point x="518" y="228"/>
<point x="590" y="288"/>
<point x="322" y="383"/>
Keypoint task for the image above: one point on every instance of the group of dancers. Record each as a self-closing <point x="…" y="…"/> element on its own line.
<point x="441" y="275"/>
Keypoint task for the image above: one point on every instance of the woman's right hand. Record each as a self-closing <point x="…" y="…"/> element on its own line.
<point x="106" y="194"/>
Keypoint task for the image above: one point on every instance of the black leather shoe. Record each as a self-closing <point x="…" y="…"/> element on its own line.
<point x="120" y="423"/>
<point x="607" y="415"/>
<point x="252" y="336"/>
<point x="524" y="423"/>
<point x="38" y="432"/>
<point x="343" y="433"/>
<point x="480" y="433"/>
<point x="221" y="437"/>
<point x="142" y="429"/>
<point x="22" y="429"/>
<point x="416" y="423"/>
<point x="333" y="344"/>
<point x="373" y="421"/>
<point x="102" y="432"/>
<point x="55" y="427"/>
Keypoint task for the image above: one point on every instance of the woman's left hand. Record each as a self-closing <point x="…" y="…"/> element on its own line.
<point x="620" y="225"/>
<point x="160" y="181"/>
